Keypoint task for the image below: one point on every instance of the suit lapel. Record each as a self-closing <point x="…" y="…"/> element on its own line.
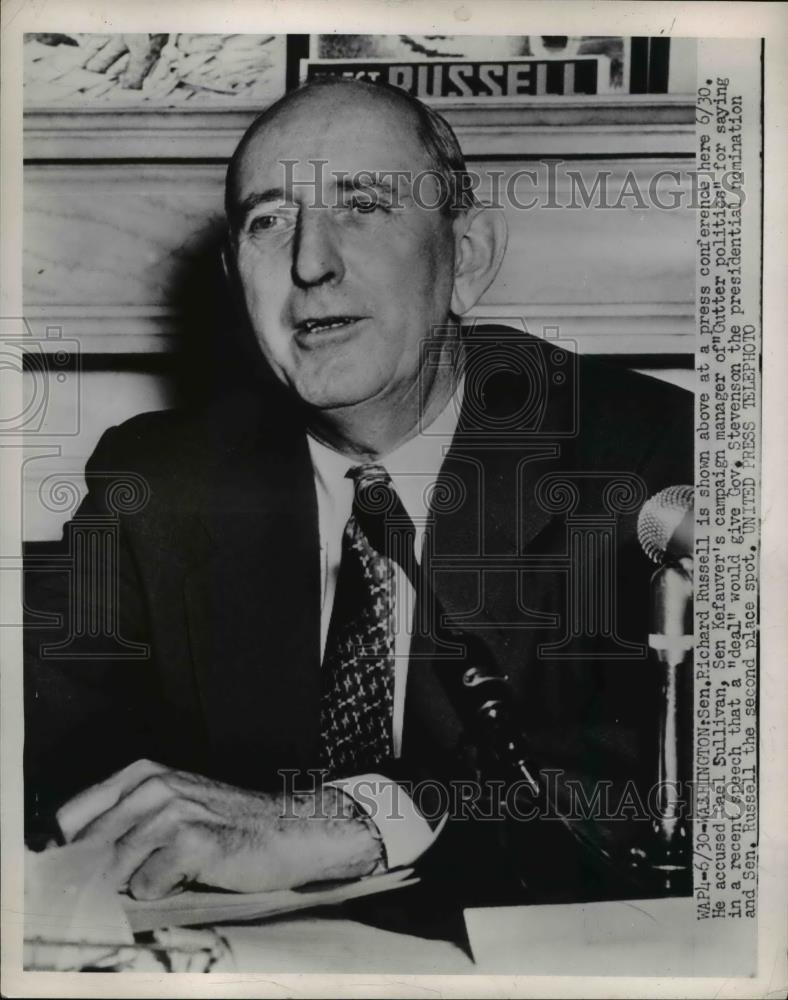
<point x="491" y="477"/>
<point x="253" y="608"/>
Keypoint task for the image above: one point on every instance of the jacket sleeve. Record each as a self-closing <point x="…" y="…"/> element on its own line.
<point x="89" y="692"/>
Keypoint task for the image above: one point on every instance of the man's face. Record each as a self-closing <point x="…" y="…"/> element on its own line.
<point x="341" y="296"/>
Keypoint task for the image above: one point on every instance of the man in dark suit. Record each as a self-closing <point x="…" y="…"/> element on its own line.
<point x="242" y="647"/>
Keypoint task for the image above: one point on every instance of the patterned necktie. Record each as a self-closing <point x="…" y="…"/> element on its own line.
<point x="358" y="665"/>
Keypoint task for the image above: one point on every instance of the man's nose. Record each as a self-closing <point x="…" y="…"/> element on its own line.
<point x="317" y="258"/>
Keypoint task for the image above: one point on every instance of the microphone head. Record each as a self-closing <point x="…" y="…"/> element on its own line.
<point x="666" y="524"/>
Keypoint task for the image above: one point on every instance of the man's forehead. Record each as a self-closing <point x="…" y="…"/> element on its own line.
<point x="349" y="134"/>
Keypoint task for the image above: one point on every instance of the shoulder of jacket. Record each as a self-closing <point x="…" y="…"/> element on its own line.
<point x="168" y="442"/>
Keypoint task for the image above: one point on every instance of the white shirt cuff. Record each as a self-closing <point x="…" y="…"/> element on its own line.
<point x="406" y="834"/>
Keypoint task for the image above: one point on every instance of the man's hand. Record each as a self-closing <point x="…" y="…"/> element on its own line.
<point x="164" y="828"/>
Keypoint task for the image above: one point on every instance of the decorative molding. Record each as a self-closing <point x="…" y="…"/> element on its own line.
<point x="650" y="328"/>
<point x="208" y="178"/>
<point x="611" y="126"/>
<point x="104" y="329"/>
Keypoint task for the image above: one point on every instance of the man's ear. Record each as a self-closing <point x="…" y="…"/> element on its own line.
<point x="480" y="243"/>
<point x="228" y="261"/>
<point x="230" y="268"/>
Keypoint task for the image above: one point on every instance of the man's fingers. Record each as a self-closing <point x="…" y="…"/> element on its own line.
<point x="78" y="812"/>
<point x="161" y="873"/>
<point x="156" y="857"/>
<point x="152" y="797"/>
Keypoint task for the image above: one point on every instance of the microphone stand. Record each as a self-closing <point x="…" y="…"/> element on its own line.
<point x="667" y="853"/>
<point x="546" y="851"/>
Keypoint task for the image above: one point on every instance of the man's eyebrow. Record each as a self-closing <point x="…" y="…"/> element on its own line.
<point x="361" y="181"/>
<point x="364" y="181"/>
<point x="255" y="198"/>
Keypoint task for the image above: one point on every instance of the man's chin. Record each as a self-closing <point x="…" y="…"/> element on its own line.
<point x="336" y="387"/>
<point x="329" y="402"/>
<point x="331" y="395"/>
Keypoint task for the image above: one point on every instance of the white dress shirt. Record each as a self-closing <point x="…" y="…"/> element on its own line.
<point x="414" y="467"/>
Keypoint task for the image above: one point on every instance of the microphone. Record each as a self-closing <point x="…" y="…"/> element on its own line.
<point x="666" y="524"/>
<point x="665" y="528"/>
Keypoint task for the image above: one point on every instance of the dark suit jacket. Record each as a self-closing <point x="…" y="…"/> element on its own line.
<point x="217" y="600"/>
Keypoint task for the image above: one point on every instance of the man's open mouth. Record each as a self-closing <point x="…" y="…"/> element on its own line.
<point x="324" y="323"/>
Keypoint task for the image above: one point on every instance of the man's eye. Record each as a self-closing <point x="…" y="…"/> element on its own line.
<point x="262" y="223"/>
<point x="364" y="205"/>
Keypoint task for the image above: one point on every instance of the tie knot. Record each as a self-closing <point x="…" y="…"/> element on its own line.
<point x="382" y="516"/>
<point x="374" y="495"/>
<point x="371" y="472"/>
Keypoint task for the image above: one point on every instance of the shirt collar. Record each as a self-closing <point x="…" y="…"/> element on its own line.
<point x="413" y="466"/>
